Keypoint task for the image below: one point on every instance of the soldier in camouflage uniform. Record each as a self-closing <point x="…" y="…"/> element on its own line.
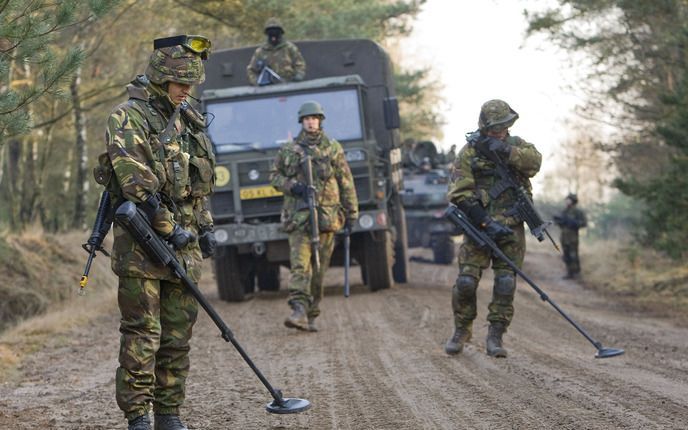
<point x="473" y="175"/>
<point x="170" y="182"/>
<point x="337" y="207"/>
<point x="570" y="221"/>
<point x="280" y="55"/>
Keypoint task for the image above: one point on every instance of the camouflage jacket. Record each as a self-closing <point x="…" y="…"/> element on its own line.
<point x="182" y="172"/>
<point x="285" y="59"/>
<point x="334" y="185"/>
<point x="472" y="177"/>
<point x="570" y="220"/>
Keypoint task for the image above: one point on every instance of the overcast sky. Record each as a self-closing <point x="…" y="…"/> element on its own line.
<point x="478" y="51"/>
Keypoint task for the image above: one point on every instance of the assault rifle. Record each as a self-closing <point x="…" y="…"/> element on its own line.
<point x="136" y="223"/>
<point x="461" y="220"/>
<point x="101" y="227"/>
<point x="311" y="200"/>
<point x="267" y="76"/>
<point x="524" y="205"/>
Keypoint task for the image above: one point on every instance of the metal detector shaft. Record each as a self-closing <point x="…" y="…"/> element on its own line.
<point x="347" y="260"/>
<point x="137" y="225"/>
<point x="460" y="219"/>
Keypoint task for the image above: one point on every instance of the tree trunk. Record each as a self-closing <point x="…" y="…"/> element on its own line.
<point x="81" y="181"/>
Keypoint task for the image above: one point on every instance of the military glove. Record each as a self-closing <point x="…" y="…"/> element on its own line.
<point x="496" y="230"/>
<point x="500" y="147"/>
<point x="207" y="241"/>
<point x="180" y="238"/>
<point x="299" y="189"/>
<point x="558" y="220"/>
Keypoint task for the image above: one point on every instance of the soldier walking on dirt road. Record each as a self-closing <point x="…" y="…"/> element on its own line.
<point x="337" y="207"/>
<point x="473" y="189"/>
<point x="570" y="221"/>
<point x="161" y="160"/>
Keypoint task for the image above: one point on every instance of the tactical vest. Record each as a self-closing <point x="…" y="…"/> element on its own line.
<point x="185" y="167"/>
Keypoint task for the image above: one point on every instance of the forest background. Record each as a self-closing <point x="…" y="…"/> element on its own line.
<point x="64" y="65"/>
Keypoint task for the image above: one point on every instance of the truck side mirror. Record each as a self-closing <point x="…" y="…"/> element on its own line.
<point x="390" y="105"/>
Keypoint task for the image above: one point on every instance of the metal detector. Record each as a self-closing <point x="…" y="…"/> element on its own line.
<point x="129" y="217"/>
<point x="456" y="216"/>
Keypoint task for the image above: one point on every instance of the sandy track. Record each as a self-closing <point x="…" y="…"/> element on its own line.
<point x="378" y="363"/>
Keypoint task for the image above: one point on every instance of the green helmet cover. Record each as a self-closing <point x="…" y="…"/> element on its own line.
<point x="175" y="64"/>
<point x="496" y="115"/>
<point x="273" y="23"/>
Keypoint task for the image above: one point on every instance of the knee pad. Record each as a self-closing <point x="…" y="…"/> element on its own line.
<point x="505" y="285"/>
<point x="466" y="285"/>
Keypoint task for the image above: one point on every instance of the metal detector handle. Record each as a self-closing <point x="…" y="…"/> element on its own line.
<point x="136" y="223"/>
<point x="460" y="219"/>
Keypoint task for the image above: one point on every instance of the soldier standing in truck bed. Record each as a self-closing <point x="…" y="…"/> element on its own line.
<point x="277" y="53"/>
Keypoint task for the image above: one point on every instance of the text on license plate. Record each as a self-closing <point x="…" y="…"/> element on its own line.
<point x="258" y="193"/>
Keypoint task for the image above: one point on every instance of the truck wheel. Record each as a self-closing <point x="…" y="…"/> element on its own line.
<point x="400" y="269"/>
<point x="443" y="250"/>
<point x="235" y="274"/>
<point x="378" y="260"/>
<point x="268" y="276"/>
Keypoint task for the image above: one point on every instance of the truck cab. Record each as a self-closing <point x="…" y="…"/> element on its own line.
<point x="351" y="79"/>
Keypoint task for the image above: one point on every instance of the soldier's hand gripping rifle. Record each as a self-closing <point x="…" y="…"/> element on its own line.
<point x="101" y="227"/>
<point x="461" y="220"/>
<point x="161" y="253"/>
<point x="524" y="206"/>
<point x="266" y="76"/>
<point x="312" y="201"/>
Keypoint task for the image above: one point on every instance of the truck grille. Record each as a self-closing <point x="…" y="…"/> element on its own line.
<point x="222" y="203"/>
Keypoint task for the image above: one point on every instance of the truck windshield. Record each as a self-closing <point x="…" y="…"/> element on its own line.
<point x="269" y="122"/>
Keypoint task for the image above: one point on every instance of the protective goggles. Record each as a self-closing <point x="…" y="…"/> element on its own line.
<point x="198" y="44"/>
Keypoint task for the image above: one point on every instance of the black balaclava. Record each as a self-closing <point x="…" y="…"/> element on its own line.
<point x="274" y="35"/>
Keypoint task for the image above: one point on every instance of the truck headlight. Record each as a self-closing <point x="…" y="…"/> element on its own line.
<point x="355" y="155"/>
<point x="221" y="235"/>
<point x="253" y="174"/>
<point x="366" y="221"/>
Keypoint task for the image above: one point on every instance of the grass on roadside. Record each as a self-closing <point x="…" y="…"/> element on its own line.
<point x="638" y="276"/>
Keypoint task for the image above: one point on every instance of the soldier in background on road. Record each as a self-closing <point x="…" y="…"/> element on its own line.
<point x="170" y="183"/>
<point x="280" y="55"/>
<point x="570" y="221"/>
<point x="337" y="208"/>
<point x="472" y="178"/>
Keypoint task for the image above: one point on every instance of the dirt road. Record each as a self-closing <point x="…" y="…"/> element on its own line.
<point x="378" y="363"/>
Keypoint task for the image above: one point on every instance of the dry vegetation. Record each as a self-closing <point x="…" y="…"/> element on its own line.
<point x="640" y="277"/>
<point x="38" y="296"/>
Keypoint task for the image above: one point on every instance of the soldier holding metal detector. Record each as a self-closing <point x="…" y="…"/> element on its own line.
<point x="319" y="199"/>
<point x="160" y="160"/>
<point x="278" y="60"/>
<point x="490" y="184"/>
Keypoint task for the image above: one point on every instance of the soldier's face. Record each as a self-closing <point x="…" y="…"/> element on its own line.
<point x="501" y="134"/>
<point x="311" y="124"/>
<point x="178" y="92"/>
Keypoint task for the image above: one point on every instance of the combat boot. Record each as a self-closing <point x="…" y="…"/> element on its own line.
<point x="455" y="343"/>
<point x="298" y="318"/>
<point x="494" y="341"/>
<point x="140" y="423"/>
<point x="311" y="324"/>
<point x="169" y="422"/>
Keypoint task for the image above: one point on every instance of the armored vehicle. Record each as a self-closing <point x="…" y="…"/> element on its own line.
<point x="425" y="200"/>
<point x="352" y="80"/>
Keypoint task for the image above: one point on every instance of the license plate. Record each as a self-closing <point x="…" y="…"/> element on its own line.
<point x="258" y="193"/>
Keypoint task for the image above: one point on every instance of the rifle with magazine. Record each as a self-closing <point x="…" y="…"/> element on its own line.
<point x="524" y="207"/>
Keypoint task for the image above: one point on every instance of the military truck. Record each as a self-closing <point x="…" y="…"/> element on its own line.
<point x="352" y="80"/>
<point x="425" y="199"/>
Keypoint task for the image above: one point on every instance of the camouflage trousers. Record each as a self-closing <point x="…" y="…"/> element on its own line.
<point x="570" y="257"/>
<point x="472" y="261"/>
<point x="157" y="318"/>
<point x="305" y="286"/>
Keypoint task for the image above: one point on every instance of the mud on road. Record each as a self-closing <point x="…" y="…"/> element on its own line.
<point x="378" y="363"/>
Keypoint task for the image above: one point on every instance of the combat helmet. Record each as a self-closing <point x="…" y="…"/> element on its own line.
<point x="175" y="64"/>
<point x="311" y="108"/>
<point x="273" y="23"/>
<point x="496" y="115"/>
